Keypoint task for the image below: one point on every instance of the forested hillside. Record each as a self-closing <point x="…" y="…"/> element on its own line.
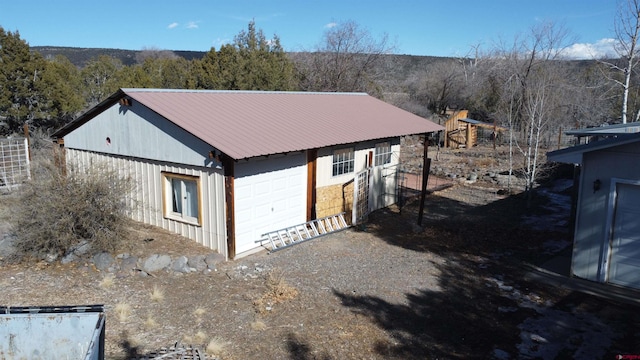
<point x="80" y="57"/>
<point x="528" y="87"/>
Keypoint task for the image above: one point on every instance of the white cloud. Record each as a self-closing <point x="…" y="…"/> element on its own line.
<point x="331" y="25"/>
<point x="173" y="25"/>
<point x="602" y="48"/>
<point x="192" y="25"/>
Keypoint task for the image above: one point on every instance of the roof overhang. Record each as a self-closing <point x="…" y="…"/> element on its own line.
<point x="575" y="154"/>
<point x="618" y="129"/>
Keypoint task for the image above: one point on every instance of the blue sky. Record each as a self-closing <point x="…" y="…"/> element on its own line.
<point x="418" y="27"/>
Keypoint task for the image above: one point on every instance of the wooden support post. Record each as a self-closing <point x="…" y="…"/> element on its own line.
<point x="425" y="178"/>
<point x="26" y="135"/>
<point x="229" y="180"/>
<point x="312" y="161"/>
<point x="559" y="138"/>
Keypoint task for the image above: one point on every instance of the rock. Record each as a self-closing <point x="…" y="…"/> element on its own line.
<point x="71" y="257"/>
<point x="197" y="262"/>
<point x="7" y="248"/>
<point x="156" y="262"/>
<point x="142" y="273"/>
<point x="180" y="265"/>
<point x="472" y="177"/>
<point x="50" y="258"/>
<point x="213" y="259"/>
<point x="81" y="248"/>
<point x="103" y="261"/>
<point x="129" y="263"/>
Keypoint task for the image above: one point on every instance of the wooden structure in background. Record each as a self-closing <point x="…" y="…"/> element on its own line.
<point x="460" y="131"/>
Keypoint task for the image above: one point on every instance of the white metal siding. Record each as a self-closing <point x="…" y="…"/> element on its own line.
<point x="270" y="194"/>
<point x="147" y="195"/>
<point x="138" y="132"/>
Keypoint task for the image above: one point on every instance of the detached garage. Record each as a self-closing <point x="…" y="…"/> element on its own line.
<point x="607" y="230"/>
<point x="225" y="167"/>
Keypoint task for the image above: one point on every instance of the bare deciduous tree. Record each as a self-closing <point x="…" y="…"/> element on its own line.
<point x="439" y="86"/>
<point x="345" y="60"/>
<point x="531" y="99"/>
<point x="627" y="29"/>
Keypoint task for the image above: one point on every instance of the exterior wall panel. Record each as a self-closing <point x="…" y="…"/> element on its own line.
<point x="147" y="195"/>
<point x="138" y="132"/>
<point x="335" y="193"/>
<point x="590" y="238"/>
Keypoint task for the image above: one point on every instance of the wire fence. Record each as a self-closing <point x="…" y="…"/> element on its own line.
<point x="14" y="163"/>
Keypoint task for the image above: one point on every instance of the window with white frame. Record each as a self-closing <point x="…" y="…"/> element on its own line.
<point x="382" y="154"/>
<point x="343" y="161"/>
<point x="182" y="197"/>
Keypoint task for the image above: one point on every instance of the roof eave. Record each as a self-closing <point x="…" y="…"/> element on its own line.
<point x="88" y="115"/>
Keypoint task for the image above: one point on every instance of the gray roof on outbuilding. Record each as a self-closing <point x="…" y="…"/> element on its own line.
<point x="574" y="154"/>
<point x="628" y="128"/>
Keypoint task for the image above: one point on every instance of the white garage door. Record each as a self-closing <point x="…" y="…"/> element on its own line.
<point x="624" y="266"/>
<point x="269" y="195"/>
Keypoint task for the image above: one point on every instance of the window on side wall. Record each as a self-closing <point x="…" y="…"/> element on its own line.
<point x="181" y="197"/>
<point x="343" y="161"/>
<point x="382" y="154"/>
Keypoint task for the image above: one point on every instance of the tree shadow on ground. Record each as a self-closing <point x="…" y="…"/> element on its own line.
<point x="462" y="321"/>
<point x="300" y="350"/>
<point x="482" y="299"/>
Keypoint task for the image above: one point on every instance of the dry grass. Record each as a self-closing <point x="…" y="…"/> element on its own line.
<point x="485" y="162"/>
<point x="216" y="347"/>
<point x="200" y="337"/>
<point x="198" y="312"/>
<point x="258" y="325"/>
<point x="150" y="322"/>
<point x="107" y="281"/>
<point x="157" y="295"/>
<point x="122" y="311"/>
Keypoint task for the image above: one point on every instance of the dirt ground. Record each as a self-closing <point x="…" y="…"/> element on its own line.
<point x="453" y="288"/>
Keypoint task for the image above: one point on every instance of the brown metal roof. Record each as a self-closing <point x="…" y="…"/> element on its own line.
<point x="244" y="124"/>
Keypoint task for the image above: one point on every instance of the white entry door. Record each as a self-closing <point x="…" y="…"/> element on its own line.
<point x="624" y="265"/>
<point x="270" y="194"/>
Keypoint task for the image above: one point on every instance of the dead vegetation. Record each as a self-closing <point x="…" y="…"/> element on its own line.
<point x="63" y="210"/>
<point x="277" y="291"/>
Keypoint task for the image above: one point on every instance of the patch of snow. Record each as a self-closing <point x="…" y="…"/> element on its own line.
<point x="555" y="331"/>
<point x="559" y="208"/>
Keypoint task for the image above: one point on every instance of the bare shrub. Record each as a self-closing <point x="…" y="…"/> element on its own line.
<point x="59" y="210"/>
<point x="278" y="291"/>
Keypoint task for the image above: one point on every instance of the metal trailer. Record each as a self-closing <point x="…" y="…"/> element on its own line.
<point x="64" y="332"/>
